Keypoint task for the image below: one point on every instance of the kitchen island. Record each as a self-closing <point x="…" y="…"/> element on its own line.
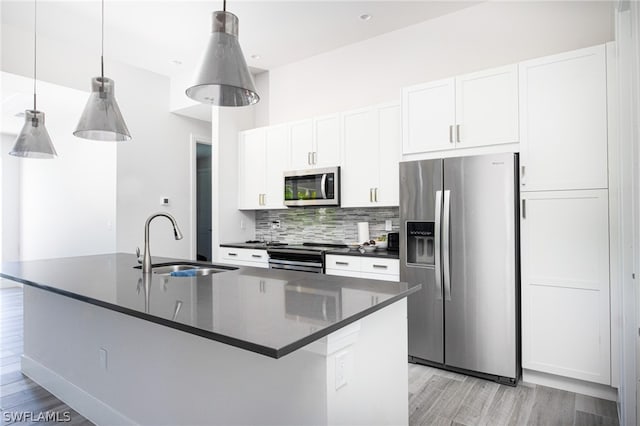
<point x="243" y="346"/>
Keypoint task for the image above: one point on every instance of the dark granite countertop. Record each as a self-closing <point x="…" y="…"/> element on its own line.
<point x="257" y="246"/>
<point x="378" y="253"/>
<point x="267" y="311"/>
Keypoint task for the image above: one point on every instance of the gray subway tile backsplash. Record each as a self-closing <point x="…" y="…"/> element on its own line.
<point x="324" y="224"/>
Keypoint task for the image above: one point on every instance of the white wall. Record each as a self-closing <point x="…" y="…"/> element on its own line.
<point x="154" y="164"/>
<point x="229" y="223"/>
<point x="261" y="109"/>
<point x="10" y="201"/>
<point x="181" y="104"/>
<point x="62" y="207"/>
<point x="482" y="36"/>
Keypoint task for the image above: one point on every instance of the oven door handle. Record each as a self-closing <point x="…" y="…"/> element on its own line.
<point x="279" y="262"/>
<point x="323" y="186"/>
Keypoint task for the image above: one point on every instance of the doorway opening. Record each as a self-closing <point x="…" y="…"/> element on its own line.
<point x="203" y="201"/>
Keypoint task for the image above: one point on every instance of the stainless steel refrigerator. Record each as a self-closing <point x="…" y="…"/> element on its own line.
<point x="459" y="239"/>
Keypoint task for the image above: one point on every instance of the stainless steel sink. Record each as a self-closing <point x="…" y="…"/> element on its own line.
<point x="201" y="269"/>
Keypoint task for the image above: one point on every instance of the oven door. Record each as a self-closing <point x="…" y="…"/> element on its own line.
<point x="316" y="187"/>
<point x="296" y="265"/>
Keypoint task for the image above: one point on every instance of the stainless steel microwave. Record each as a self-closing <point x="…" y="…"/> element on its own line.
<point x="312" y="187"/>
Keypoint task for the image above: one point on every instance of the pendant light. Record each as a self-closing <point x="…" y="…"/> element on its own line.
<point x="223" y="78"/>
<point x="33" y="140"/>
<point x="101" y="119"/>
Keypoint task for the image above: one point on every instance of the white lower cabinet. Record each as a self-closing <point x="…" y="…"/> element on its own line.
<point x="374" y="268"/>
<point x="245" y="257"/>
<point x="565" y="284"/>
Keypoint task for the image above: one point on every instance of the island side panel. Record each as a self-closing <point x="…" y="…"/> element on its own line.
<point x="376" y="370"/>
<point x="158" y="375"/>
<point x="161" y="376"/>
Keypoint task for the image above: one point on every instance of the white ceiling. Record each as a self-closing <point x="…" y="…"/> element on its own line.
<point x="152" y="34"/>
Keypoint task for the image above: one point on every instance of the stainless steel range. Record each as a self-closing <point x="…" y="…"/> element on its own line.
<point x="307" y="257"/>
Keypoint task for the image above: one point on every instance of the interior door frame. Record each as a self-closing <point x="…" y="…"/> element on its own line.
<point x="194" y="140"/>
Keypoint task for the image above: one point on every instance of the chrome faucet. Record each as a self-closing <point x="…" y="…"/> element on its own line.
<point x="146" y="259"/>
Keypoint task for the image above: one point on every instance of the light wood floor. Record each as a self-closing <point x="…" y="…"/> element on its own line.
<point x="436" y="397"/>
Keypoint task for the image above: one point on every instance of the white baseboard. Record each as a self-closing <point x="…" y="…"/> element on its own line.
<point x="572" y="385"/>
<point x="76" y="398"/>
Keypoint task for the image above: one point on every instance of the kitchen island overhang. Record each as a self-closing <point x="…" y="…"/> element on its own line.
<point x="346" y="348"/>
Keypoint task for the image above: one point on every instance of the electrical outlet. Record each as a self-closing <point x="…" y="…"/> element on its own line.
<point x="102" y="355"/>
<point x="275" y="224"/>
<point x="387" y="225"/>
<point x="341" y="369"/>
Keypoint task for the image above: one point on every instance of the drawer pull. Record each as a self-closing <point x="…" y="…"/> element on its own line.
<point x="380" y="266"/>
<point x="342" y="263"/>
<point x="259" y="256"/>
<point x="232" y="254"/>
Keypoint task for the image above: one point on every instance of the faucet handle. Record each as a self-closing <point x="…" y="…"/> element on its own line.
<point x="138" y="255"/>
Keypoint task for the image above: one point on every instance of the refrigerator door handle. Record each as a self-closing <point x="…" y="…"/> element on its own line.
<point x="436" y="239"/>
<point x="446" y="264"/>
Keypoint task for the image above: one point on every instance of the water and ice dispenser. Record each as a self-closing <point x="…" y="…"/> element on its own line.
<point x="420" y="243"/>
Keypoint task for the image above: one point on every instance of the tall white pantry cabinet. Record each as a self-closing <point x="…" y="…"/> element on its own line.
<point x="564" y="216"/>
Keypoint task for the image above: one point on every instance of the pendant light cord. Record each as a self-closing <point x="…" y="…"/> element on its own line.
<point x="224" y="5"/>
<point x="102" y="49"/>
<point x="35" y="46"/>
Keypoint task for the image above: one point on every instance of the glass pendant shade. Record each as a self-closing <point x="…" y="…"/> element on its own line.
<point x="33" y="140"/>
<point x="101" y="119"/>
<point x="223" y="78"/>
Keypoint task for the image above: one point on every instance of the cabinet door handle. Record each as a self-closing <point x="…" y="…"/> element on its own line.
<point x="232" y="254"/>
<point x="375" y="194"/>
<point x="522" y="175"/>
<point x="309" y="158"/>
<point x="264" y="199"/>
<point x="371" y="195"/>
<point x="450" y="133"/>
<point x="342" y="263"/>
<point x="314" y="157"/>
<point x="458" y="133"/>
<point x="380" y="266"/>
<point x="259" y="256"/>
<point x="524" y="209"/>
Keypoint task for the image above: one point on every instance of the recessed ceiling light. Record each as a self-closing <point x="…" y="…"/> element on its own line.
<point x="176" y="62"/>
<point x="255" y="56"/>
<point x="365" y="17"/>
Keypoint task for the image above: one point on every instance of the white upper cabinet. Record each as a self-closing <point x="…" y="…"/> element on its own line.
<point x="301" y="140"/>
<point x="478" y="109"/>
<point x="361" y="157"/>
<point x="428" y="112"/>
<point x="262" y="159"/>
<point x="563" y="121"/>
<point x="252" y="165"/>
<point x="315" y="143"/>
<point x="487" y="107"/>
<point x="326" y="139"/>
<point x="390" y="149"/>
<point x="277" y="150"/>
<point x="372" y="146"/>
